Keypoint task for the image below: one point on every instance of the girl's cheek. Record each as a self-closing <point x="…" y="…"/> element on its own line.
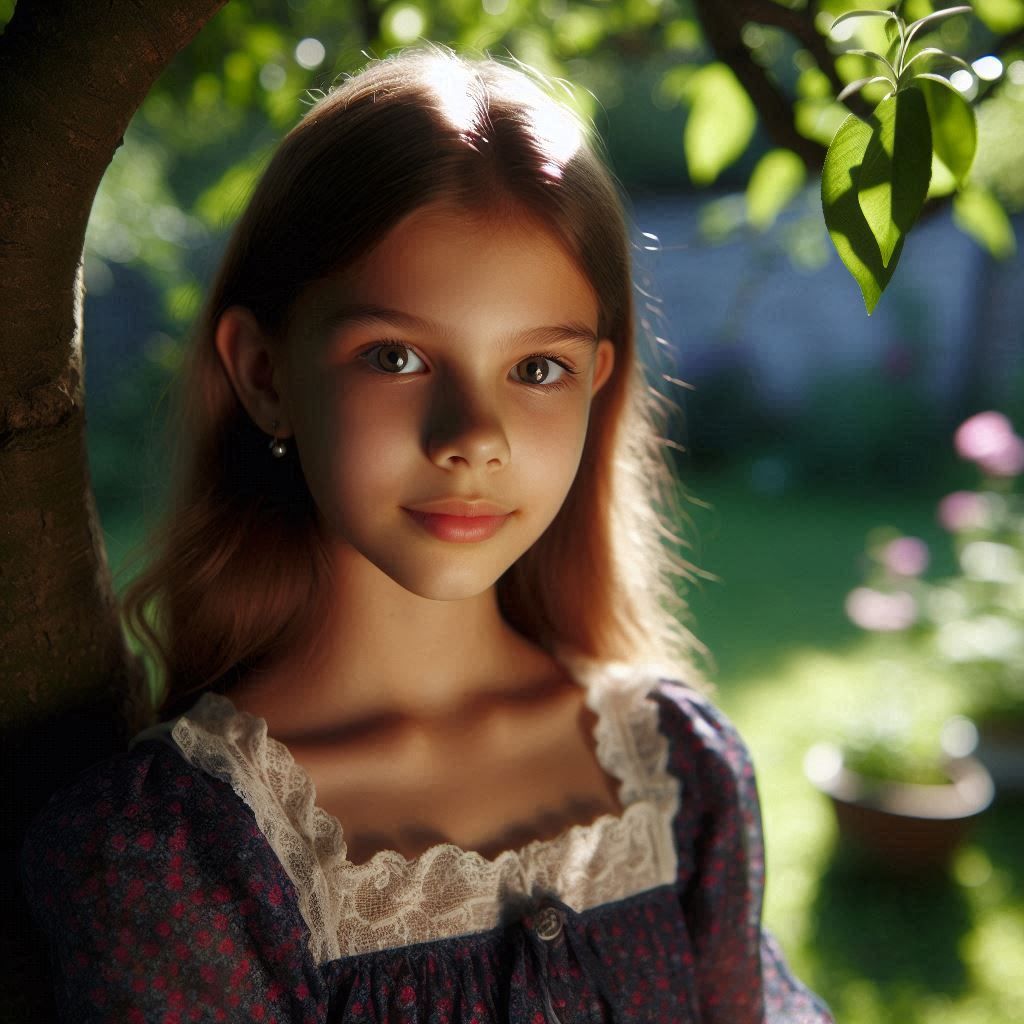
<point x="561" y="422"/>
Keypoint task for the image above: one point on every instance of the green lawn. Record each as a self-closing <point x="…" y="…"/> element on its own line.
<point x="918" y="950"/>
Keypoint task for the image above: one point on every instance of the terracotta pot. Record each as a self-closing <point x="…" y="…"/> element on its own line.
<point x="903" y="825"/>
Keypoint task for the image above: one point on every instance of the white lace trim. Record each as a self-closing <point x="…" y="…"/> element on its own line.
<point x="446" y="891"/>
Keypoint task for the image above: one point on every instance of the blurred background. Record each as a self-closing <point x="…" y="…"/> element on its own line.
<point x="852" y="609"/>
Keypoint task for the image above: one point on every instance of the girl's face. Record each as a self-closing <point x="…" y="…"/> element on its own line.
<point x="456" y="362"/>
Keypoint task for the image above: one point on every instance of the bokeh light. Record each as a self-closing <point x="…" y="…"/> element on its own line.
<point x="310" y="53"/>
<point x="272" y="77"/>
<point x="988" y="68"/>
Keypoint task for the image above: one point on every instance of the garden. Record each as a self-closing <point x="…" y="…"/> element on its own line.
<point x="852" y="485"/>
<point x="805" y="660"/>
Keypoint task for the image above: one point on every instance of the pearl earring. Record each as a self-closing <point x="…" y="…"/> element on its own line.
<point x="277" y="448"/>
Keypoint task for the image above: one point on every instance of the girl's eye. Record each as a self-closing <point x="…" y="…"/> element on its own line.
<point x="544" y="370"/>
<point x="392" y="358"/>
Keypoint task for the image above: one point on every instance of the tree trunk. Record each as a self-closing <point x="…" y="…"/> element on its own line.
<point x="72" y="74"/>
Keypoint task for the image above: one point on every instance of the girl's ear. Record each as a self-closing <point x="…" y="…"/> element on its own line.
<point x="248" y="358"/>
<point x="604" y="363"/>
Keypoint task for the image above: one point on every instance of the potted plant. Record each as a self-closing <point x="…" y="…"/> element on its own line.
<point x="977" y="616"/>
<point x="894" y="783"/>
<point x="971" y="623"/>
<point x="897" y="801"/>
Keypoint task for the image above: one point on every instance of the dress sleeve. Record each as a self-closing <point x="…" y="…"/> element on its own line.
<point x="162" y="902"/>
<point x="742" y="975"/>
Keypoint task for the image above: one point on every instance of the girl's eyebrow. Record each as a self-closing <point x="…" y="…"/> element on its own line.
<point x="572" y="332"/>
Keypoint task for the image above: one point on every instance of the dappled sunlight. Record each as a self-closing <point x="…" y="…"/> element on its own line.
<point x="558" y="132"/>
<point x="894" y="950"/>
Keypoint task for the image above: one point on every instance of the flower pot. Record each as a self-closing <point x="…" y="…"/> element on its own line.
<point x="903" y="825"/>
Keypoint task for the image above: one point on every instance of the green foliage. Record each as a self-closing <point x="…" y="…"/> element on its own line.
<point x="892" y="180"/>
<point x="883" y="754"/>
<point x="222" y="103"/>
<point x="921" y="119"/>
<point x="721" y="122"/>
<point x="978" y="213"/>
<point x="1001" y="15"/>
<point x="776" y="179"/>
<point x="954" y="131"/>
<point x="847" y="226"/>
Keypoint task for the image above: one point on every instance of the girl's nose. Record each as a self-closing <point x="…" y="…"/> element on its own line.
<point x="465" y="430"/>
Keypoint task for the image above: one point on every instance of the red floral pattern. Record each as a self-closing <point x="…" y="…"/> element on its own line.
<point x="164" y="904"/>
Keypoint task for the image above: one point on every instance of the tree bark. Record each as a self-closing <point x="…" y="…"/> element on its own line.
<point x="72" y="74"/>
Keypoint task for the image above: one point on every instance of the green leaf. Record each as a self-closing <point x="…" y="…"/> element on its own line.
<point x="860" y="83"/>
<point x="775" y="180"/>
<point x="954" y="128"/>
<point x="893" y="178"/>
<point x="580" y="30"/>
<point x="943" y="183"/>
<point x="813" y="83"/>
<point x="1001" y="16"/>
<point x="846" y="225"/>
<point x="721" y="122"/>
<point x="879" y="59"/>
<point x="979" y="214"/>
<point x="931" y="19"/>
<point x="862" y="14"/>
<point x="818" y="119"/>
<point x="932" y="52"/>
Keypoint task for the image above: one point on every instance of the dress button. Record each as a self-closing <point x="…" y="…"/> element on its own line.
<point x="548" y="924"/>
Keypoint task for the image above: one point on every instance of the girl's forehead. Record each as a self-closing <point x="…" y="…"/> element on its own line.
<point x="442" y="217"/>
<point x="440" y="263"/>
<point x="434" y="239"/>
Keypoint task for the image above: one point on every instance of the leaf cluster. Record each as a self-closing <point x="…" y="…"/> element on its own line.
<point x="877" y="173"/>
<point x="757" y="78"/>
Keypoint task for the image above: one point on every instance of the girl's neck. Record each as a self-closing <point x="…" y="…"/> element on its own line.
<point x="386" y="652"/>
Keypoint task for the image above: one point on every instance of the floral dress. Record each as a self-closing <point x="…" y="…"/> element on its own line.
<point x="193" y="878"/>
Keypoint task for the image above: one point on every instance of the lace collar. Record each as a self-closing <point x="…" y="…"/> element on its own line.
<point x="446" y="891"/>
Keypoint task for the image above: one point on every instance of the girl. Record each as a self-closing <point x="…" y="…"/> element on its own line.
<point x="424" y="752"/>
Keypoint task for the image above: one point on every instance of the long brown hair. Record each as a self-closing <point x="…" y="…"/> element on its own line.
<point x="236" y="572"/>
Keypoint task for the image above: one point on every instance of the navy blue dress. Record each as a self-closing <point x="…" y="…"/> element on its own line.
<point x="175" y="884"/>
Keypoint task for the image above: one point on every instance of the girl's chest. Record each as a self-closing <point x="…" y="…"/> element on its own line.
<point x="489" y="792"/>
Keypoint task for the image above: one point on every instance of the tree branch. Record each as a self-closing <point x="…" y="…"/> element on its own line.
<point x="722" y="28"/>
<point x="800" y="25"/>
<point x="368" y="18"/>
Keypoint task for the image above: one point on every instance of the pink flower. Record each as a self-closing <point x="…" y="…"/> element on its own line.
<point x="983" y="436"/>
<point x="906" y="556"/>
<point x="1007" y="461"/>
<point x="963" y="510"/>
<point x="884" y="613"/>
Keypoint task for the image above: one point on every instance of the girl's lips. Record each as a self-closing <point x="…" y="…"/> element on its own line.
<point x="472" y="507"/>
<point x="459" y="528"/>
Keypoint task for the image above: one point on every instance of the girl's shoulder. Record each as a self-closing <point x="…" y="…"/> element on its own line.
<point x="687" y="735"/>
<point x="694" y="722"/>
<point x="701" y="738"/>
<point x="149" y="785"/>
<point x="149" y="879"/>
<point x="140" y="815"/>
